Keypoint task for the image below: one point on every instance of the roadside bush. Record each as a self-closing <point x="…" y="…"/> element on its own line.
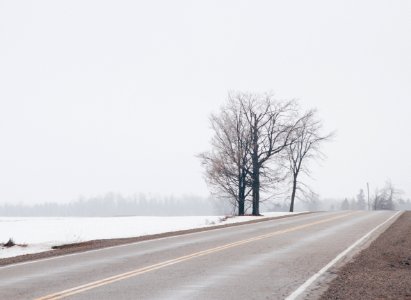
<point x="10" y="243"/>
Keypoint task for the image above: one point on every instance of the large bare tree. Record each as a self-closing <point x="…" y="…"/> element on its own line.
<point x="307" y="140"/>
<point x="271" y="124"/>
<point x="251" y="133"/>
<point x="228" y="164"/>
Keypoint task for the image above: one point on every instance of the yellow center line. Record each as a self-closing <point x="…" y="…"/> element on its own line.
<point x="112" y="279"/>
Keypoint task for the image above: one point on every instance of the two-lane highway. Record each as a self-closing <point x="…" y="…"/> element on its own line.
<point x="268" y="260"/>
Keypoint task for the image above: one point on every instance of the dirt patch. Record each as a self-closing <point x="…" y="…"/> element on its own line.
<point x="97" y="244"/>
<point x="382" y="271"/>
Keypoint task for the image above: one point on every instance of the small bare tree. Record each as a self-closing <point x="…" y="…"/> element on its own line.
<point x="385" y="198"/>
<point x="306" y="142"/>
<point x="360" y="204"/>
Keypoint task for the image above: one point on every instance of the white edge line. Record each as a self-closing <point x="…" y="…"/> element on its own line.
<point x="149" y="240"/>
<point x="306" y="284"/>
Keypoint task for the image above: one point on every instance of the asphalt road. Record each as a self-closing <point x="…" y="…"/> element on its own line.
<point x="267" y="260"/>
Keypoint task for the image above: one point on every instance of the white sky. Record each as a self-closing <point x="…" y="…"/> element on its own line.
<point x="99" y="96"/>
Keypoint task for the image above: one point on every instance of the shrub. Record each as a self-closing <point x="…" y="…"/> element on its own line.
<point x="10" y="243"/>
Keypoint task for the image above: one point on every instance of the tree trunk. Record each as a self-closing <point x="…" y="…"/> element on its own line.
<point x="293" y="194"/>
<point x="241" y="200"/>
<point x="256" y="169"/>
<point x="256" y="191"/>
<point x="241" y="208"/>
<point x="242" y="184"/>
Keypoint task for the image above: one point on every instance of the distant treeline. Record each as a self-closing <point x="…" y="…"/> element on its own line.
<point x="352" y="204"/>
<point x="113" y="204"/>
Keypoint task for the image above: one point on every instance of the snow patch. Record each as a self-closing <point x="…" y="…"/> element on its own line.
<point x="40" y="234"/>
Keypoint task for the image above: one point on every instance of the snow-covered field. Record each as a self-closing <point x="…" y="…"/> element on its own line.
<point x="40" y="234"/>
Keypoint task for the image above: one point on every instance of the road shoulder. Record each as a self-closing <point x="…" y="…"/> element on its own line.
<point x="380" y="271"/>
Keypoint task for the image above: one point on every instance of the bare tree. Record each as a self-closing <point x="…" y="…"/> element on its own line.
<point x="345" y="205"/>
<point x="306" y="143"/>
<point x="270" y="131"/>
<point x="385" y="198"/>
<point x="360" y="204"/>
<point x="228" y="164"/>
<point x="250" y="134"/>
<point x="312" y="201"/>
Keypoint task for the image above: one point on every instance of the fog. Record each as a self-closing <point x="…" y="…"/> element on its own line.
<point x="117" y="205"/>
<point x="100" y="97"/>
<point x="111" y="204"/>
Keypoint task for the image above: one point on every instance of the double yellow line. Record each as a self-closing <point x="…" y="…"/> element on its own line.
<point x="112" y="279"/>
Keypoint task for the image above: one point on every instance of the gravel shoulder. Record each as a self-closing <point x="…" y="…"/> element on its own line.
<point x="104" y="243"/>
<point x="381" y="271"/>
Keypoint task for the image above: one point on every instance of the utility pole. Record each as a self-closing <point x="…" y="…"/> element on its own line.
<point x="368" y="195"/>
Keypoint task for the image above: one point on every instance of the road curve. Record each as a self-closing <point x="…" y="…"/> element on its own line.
<point x="268" y="260"/>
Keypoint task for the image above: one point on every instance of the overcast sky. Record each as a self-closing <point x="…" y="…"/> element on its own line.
<point x="99" y="96"/>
